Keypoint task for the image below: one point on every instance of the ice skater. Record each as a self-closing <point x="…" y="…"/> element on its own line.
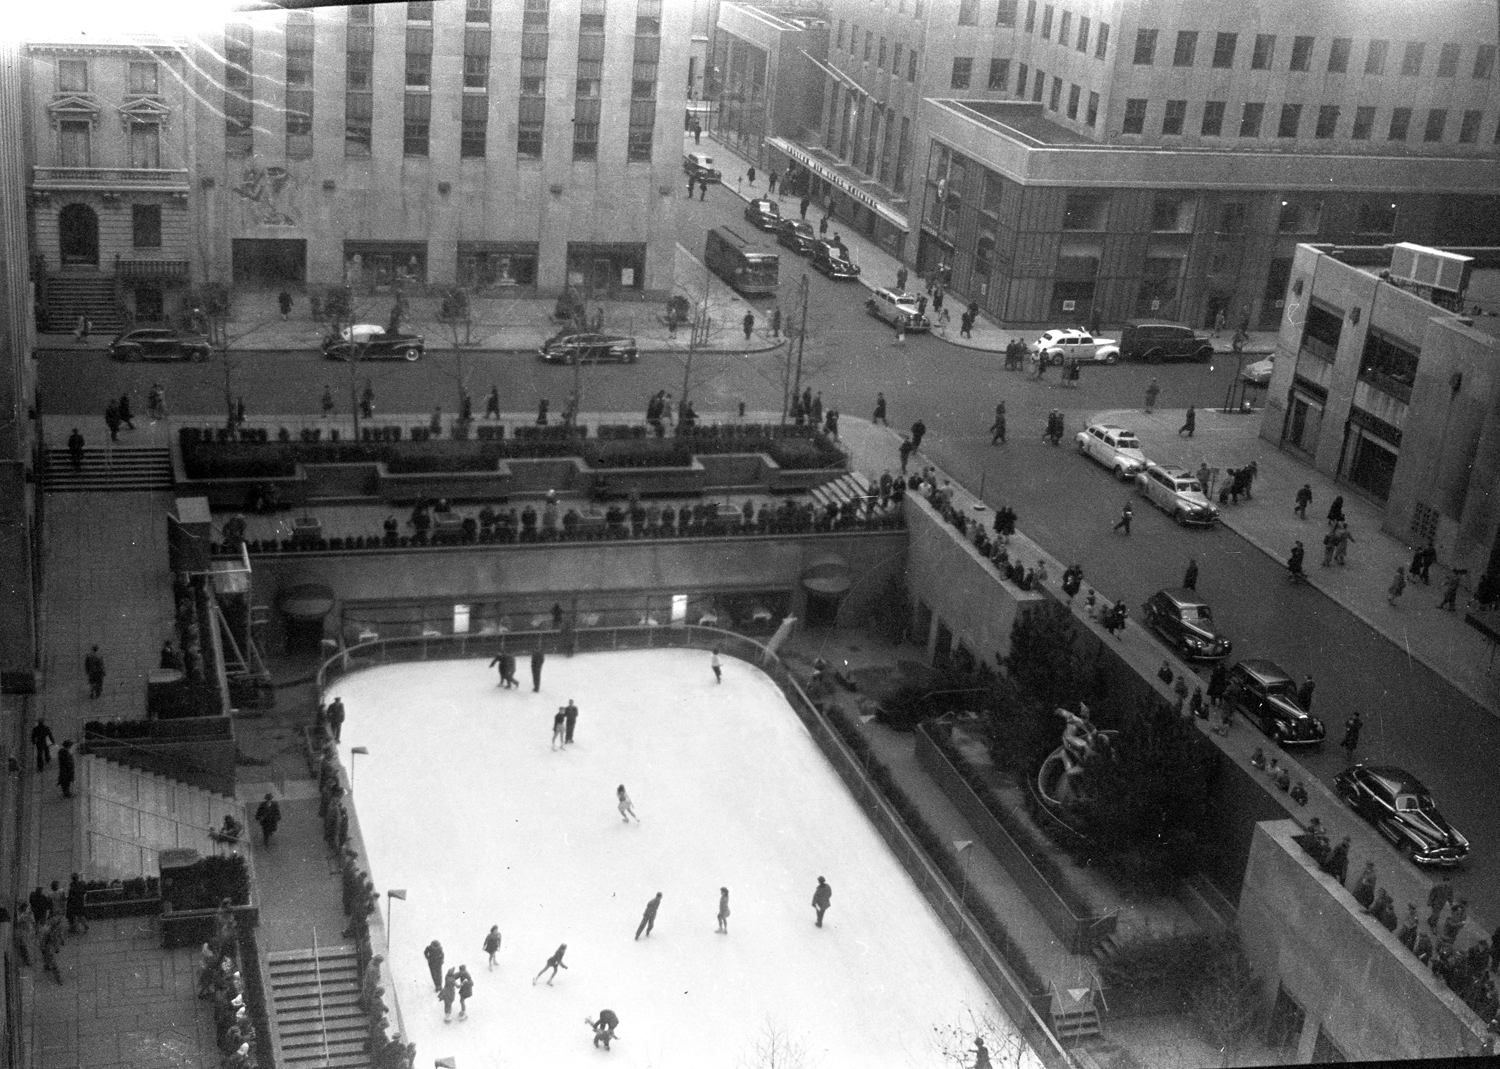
<point x="713" y="662"/>
<point x="981" y="1054"/>
<point x="465" y="991"/>
<point x="604" y="1027"/>
<point x="559" y="728"/>
<point x="554" y="963"/>
<point x="627" y="809"/>
<point x="570" y="715"/>
<point x="538" y="658"/>
<point x="447" y="993"/>
<point x="822" y="899"/>
<point x="434" y="956"/>
<point x="724" y="910"/>
<point x="507" y="665"/>
<point x="492" y="943"/>
<point x="648" y="918"/>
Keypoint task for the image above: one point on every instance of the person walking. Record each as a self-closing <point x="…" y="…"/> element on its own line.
<point x="1352" y="727"/>
<point x="51" y="946"/>
<point x="1153" y="391"/>
<point x="499" y="660"/>
<point x="447" y="993"/>
<point x="1190" y="577"/>
<point x="1336" y="511"/>
<point x="112" y="420"/>
<point x="335" y="716"/>
<point x="93" y="669"/>
<point x="724" y="910"/>
<point x="268" y="816"/>
<point x="878" y="417"/>
<point x="748" y="324"/>
<point x="901" y="277"/>
<point x="1304" y="498"/>
<point x="156" y="402"/>
<point x="1126" y="515"/>
<point x="822" y="898"/>
<point x="802" y="206"/>
<point x="538" y="658"/>
<point x="492" y="943"/>
<point x="570" y="718"/>
<point x="1450" y="589"/>
<point x="66" y="768"/>
<point x="1397" y="587"/>
<point x="1189" y="423"/>
<point x="648" y="918"/>
<point x="905" y="452"/>
<point x="560" y="728"/>
<point x="122" y="407"/>
<point x="751" y="174"/>
<point x="1305" y="693"/>
<point x="997" y="429"/>
<point x="554" y="963"/>
<point x="918" y="432"/>
<point x="284" y="302"/>
<point x="776" y="322"/>
<point x="1342" y="536"/>
<point x="626" y="807"/>
<point x="77" y="908"/>
<point x="713" y="662"/>
<point x="465" y="991"/>
<point x="75" y="449"/>
<point x="41" y="739"/>
<point x="434" y="955"/>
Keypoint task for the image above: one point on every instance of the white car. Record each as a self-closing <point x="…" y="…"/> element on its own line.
<point x="1177" y="493"/>
<point x="897" y="309"/>
<point x="1116" y="448"/>
<point x="1055" y="346"/>
<point x="1259" y="373"/>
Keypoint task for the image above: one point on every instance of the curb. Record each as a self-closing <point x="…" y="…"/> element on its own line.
<point x="735" y="350"/>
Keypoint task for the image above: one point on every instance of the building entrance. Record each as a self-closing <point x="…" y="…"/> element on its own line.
<point x="78" y="236"/>
<point x="270" y="261"/>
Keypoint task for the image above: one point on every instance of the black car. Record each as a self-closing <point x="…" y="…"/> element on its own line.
<point x="1154" y="341"/>
<point x="1399" y="807"/>
<point x="159" y="343"/>
<point x="797" y="235"/>
<point x="1267" y="695"/>
<point x="588" y="349"/>
<point x="1185" y="621"/>
<point x="366" y="341"/>
<point x="763" y="213"/>
<point x="833" y="260"/>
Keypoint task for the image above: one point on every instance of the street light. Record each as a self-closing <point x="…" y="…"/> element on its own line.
<point x="356" y="750"/>
<point x="393" y="893"/>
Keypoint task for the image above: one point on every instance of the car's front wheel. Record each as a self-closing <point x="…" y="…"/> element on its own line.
<point x="1179" y="517"/>
<point x="412" y="353"/>
<point x="135" y="356"/>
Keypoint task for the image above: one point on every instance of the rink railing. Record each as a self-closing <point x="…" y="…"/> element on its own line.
<point x="945" y="901"/>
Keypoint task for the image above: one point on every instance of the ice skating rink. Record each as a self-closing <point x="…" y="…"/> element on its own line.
<point x="463" y="804"/>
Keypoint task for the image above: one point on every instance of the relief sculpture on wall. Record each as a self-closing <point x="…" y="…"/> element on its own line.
<point x="267" y="196"/>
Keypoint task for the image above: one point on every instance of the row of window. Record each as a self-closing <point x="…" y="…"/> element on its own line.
<point x="1005" y="16"/>
<point x="1435" y="126"/>
<point x="1263" y="53"/>
<point x="875" y="49"/>
<point x="143" y="76"/>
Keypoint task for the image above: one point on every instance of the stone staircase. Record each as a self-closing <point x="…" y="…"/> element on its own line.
<point x="1075" y="1017"/>
<point x="851" y="486"/>
<point x="69" y="296"/>
<point x="108" y="468"/>
<point x="315" y="1006"/>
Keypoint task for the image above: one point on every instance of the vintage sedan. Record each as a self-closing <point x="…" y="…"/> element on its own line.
<point x="589" y="349"/>
<point x="1186" y="623"/>
<point x="897" y="309"/>
<point x="159" y="343"/>
<point x="369" y="341"/>
<point x="1267" y="695"/>
<point x="1117" y="448"/>
<point x="797" y="235"/>
<point x="833" y="260"/>
<point x="763" y="213"/>
<point x="1059" y="346"/>
<point x="1400" y="808"/>
<point x="1177" y="493"/>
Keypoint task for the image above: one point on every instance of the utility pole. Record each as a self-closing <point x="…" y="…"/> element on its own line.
<point x="801" y="341"/>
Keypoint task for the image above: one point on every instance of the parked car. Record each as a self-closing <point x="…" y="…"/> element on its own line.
<point x="159" y="343"/>
<point x="1154" y="341"/>
<point x="1056" y="346"/>
<point x="764" y="214"/>
<point x="833" y="260"/>
<point x="896" y="309"/>
<point x="1177" y="493"/>
<point x="1267" y="695"/>
<point x="797" y="235"/>
<point x="589" y="349"/>
<point x="1186" y="623"/>
<point x="1117" y="448"/>
<point x="700" y="167"/>
<point x="1400" y="808"/>
<point x="1259" y="373"/>
<point x="369" y="341"/>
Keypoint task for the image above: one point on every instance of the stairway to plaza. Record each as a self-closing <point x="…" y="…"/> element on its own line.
<point x="315" y="1004"/>
<point x="108" y="468"/>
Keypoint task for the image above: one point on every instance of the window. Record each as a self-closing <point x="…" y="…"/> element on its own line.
<point x="1484" y="61"/>
<point x="1135" y="116"/>
<point x="419" y="11"/>
<point x="1338" y="54"/>
<point x="1038" y="85"/>
<point x="588" y="77"/>
<point x="475" y="124"/>
<point x="1101" y="46"/>
<point x="1437" y="119"/>
<point x="1448" y="61"/>
<point x="1301" y="53"/>
<point x="1233" y="218"/>
<point x="896" y="59"/>
<point x="360" y="15"/>
<point x="418" y="56"/>
<point x="999" y="74"/>
<point x="1213" y="118"/>
<point x="358" y="109"/>
<point x="1083" y="33"/>
<point x="1389" y="364"/>
<point x="853" y="38"/>
<point x="416" y="124"/>
<point x="1073" y="94"/>
<point x="968" y="12"/>
<point x="358" y="68"/>
<point x="1172" y="213"/>
<point x="962" y="68"/>
<point x="869" y="44"/>
<point x="1300" y="216"/>
<point x="1400" y="121"/>
<point x="476" y="59"/>
<point x="73" y="75"/>
<point x="1328" y="121"/>
<point x="1187" y="46"/>
<point x="533" y="76"/>
<point x="1030" y="15"/>
<point x="1364" y="122"/>
<point x="1265" y="51"/>
<point x="299" y="119"/>
<point x="1468" y="131"/>
<point x="239" y="109"/>
<point x="838" y="42"/>
<point x="1092" y="116"/>
<point x="1054" y="101"/>
<point x="1411" y="59"/>
<point x="143" y="76"/>
<point x="585" y="129"/>
<point x="1047" y="22"/>
<point x="1064" y="28"/>
<point x="1086" y="211"/>
<point x="1224" y="45"/>
<point x="1375" y="57"/>
<point x="1023" y="78"/>
<point x="1250" y="120"/>
<point x="299" y="84"/>
<point x="145" y="226"/>
<point x="1173" y="118"/>
<point x="1375" y="217"/>
<point x="1291" y="118"/>
<point x="529" y="127"/>
<point x="1005" y="14"/>
<point x="1145" y="47"/>
<point x="476" y="10"/>
<point x="73" y="143"/>
<point x="911" y="65"/>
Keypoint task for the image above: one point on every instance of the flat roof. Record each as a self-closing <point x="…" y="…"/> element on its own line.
<point x="1023" y="121"/>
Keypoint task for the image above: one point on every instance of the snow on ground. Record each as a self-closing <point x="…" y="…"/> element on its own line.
<point x="464" y="805"/>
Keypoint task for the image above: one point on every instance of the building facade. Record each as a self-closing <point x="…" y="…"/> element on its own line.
<point x="767" y="77"/>
<point x="1378" y="384"/>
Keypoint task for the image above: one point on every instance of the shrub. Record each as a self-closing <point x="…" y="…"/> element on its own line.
<point x="1044" y="658"/>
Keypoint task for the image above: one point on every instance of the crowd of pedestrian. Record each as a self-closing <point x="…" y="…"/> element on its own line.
<point x="220" y="982"/>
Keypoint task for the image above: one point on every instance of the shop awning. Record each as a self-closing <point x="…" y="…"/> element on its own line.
<point x="850" y="188"/>
<point x="828" y="574"/>
<point x="308" y="601"/>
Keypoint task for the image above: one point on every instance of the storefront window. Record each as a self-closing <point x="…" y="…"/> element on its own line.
<point x="486" y="266"/>
<point x="385" y="263"/>
<point x="606" y="268"/>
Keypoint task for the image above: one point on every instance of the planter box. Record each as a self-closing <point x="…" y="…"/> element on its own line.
<point x="647" y="482"/>
<point x="110" y="902"/>
<point x="191" y="927"/>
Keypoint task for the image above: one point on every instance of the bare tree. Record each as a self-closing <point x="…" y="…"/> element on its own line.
<point x="775" y="1048"/>
<point x="955" y="1042"/>
<point x="702" y="330"/>
<point x="1226" y="999"/>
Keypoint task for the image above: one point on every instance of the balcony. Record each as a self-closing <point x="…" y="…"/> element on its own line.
<point x="119" y="179"/>
<point x="159" y="269"/>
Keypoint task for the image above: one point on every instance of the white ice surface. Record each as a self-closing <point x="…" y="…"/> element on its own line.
<point x="463" y="804"/>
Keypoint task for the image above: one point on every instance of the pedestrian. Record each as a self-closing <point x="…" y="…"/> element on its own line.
<point x="492" y="943"/>
<point x="900" y="332"/>
<point x="918" y="432"/>
<point x="1153" y="391"/>
<point x="772" y="182"/>
<point x="560" y="728"/>
<point x="93" y="669"/>
<point x="1336" y="511"/>
<point x="554" y="963"/>
<point x="538" y="658"/>
<point x="1218" y="683"/>
<point x="1421" y="563"/>
<point x="604" y="1027"/>
<point x="1342" y="536"/>
<point x="776" y="322"/>
<point x="714" y="663"/>
<point x="465" y="991"/>
<point x="434" y="955"/>
<point x="112" y="421"/>
<point x="1450" y="589"/>
<point x="1397" y="587"/>
<point x="803" y="205"/>
<point x="81" y="329"/>
<point x="447" y="993"/>
<point x="1304" y="498"/>
<point x="1305" y="693"/>
<point x="1189" y="423"/>
<point x="1364" y="887"/>
<point x="879" y="416"/>
<point x="335" y="717"/>
<point x="268" y="816"/>
<point x="500" y="661"/>
<point x="1352" y="727"/>
<point x="41" y="907"/>
<point x="748" y="324"/>
<point x="41" y="738"/>
<point x="239" y="412"/>
<point x="724" y="910"/>
<point x="822" y="898"/>
<point x="1126" y="515"/>
<point x="905" y="452"/>
<point x="648" y="918"/>
<point x="77" y="909"/>
<point x="1237" y="343"/>
<point x="823" y="226"/>
<point x="901" y="277"/>
<point x="75" y="449"/>
<point x="65" y="768"/>
<point x="327" y="400"/>
<point x="997" y="429"/>
<point x="1190" y="577"/>
<point x="703" y="189"/>
<point x="626" y="807"/>
<point x="123" y="408"/>
<point x="751" y="174"/>
<point x="981" y="1054"/>
<point x="51" y="946"/>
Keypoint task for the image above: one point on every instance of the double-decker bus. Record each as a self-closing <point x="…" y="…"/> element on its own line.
<point x="749" y="267"/>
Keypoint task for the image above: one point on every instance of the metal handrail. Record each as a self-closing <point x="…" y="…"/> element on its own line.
<point x="318" y="976"/>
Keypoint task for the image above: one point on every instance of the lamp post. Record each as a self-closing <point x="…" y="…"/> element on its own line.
<point x="356" y="750"/>
<point x="392" y="893"/>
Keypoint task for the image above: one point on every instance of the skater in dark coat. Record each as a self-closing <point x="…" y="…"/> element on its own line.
<point x="570" y="716"/>
<point x="822" y="898"/>
<point x="554" y="963"/>
<point x="268" y="816"/>
<point x="434" y="956"/>
<point x="492" y="943"/>
<point x="648" y="918"/>
<point x="335" y="716"/>
<point x="604" y="1027"/>
<point x="465" y="991"/>
<point x="537" y="660"/>
<point x="500" y="661"/>
<point x="560" y="728"/>
<point x="724" y="910"/>
<point x="447" y="993"/>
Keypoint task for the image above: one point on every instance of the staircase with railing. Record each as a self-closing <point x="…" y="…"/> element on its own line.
<point x="70" y="296"/>
<point x="316" y="1008"/>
